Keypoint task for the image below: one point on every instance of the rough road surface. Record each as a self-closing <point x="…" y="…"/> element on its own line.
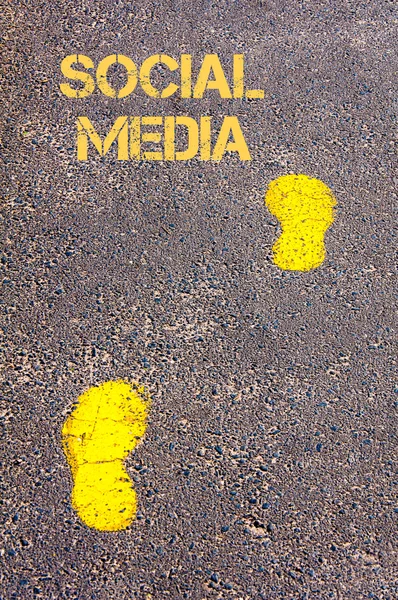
<point x="266" y="470"/>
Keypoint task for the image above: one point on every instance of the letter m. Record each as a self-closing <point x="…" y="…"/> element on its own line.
<point x="86" y="131"/>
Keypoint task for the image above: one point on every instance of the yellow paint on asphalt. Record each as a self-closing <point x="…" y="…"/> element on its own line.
<point x="304" y="208"/>
<point x="103" y="429"/>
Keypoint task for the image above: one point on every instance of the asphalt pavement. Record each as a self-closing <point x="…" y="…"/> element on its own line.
<point x="267" y="467"/>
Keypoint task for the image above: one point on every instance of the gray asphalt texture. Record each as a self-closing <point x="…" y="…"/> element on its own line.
<point x="267" y="470"/>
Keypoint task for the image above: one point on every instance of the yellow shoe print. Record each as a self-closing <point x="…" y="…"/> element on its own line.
<point x="304" y="208"/>
<point x="103" y="429"/>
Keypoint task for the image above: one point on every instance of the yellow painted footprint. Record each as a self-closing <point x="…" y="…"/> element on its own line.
<point x="103" y="429"/>
<point x="304" y="208"/>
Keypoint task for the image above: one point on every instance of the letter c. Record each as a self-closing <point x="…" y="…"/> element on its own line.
<point x="145" y="75"/>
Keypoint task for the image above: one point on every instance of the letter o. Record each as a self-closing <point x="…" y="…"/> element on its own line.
<point x="102" y="73"/>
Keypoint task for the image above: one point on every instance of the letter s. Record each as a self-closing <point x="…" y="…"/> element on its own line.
<point x="67" y="71"/>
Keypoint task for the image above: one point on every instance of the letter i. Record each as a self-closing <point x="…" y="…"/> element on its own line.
<point x="186" y="76"/>
<point x="205" y="138"/>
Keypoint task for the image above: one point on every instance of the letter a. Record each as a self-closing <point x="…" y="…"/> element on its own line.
<point x="210" y="63"/>
<point x="238" y="144"/>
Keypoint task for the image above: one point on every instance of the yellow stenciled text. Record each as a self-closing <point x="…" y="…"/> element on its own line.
<point x="154" y="138"/>
<point x="167" y="138"/>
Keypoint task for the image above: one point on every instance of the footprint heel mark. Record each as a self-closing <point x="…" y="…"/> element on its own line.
<point x="102" y="430"/>
<point x="304" y="207"/>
